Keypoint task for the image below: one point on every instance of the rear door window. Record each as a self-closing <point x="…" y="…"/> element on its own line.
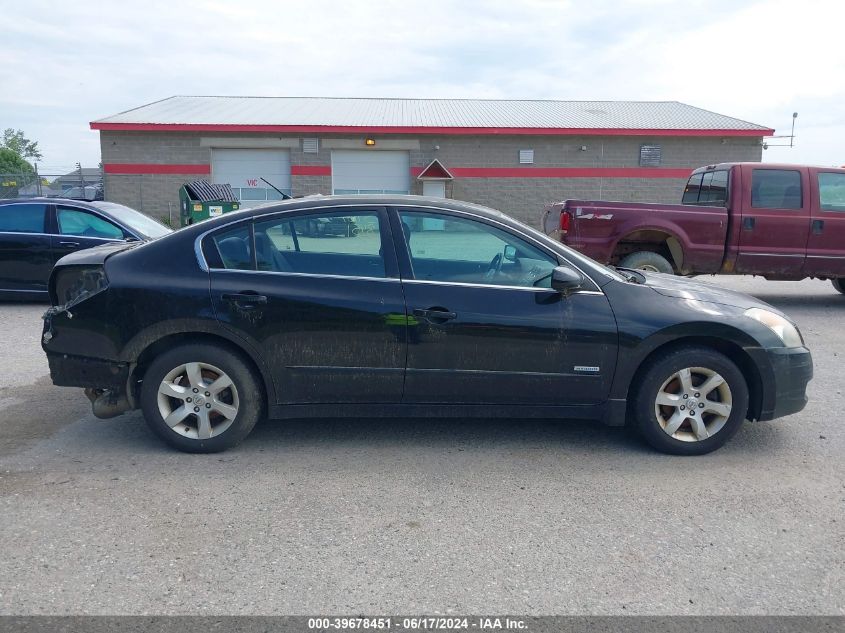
<point x="345" y="243"/>
<point x="22" y="218"/>
<point x="776" y="189"/>
<point x="832" y="191"/>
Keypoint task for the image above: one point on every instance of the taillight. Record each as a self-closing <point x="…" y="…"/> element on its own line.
<point x="565" y="221"/>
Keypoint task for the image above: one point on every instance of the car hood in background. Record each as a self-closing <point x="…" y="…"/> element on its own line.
<point x="96" y="254"/>
<point x="682" y="288"/>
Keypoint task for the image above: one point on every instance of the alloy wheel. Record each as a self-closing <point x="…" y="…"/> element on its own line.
<point x="693" y="404"/>
<point x="198" y="400"/>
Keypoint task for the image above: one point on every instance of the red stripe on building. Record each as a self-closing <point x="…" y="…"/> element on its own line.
<point x="154" y="168"/>
<point x="564" y="172"/>
<point x="310" y="170"/>
<point x="446" y="131"/>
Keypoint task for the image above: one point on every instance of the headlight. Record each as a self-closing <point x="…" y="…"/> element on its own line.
<point x="785" y="330"/>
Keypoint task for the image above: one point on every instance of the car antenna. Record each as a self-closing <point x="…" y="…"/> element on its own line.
<point x="284" y="195"/>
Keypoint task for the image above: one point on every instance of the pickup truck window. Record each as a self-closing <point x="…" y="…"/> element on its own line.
<point x="707" y="188"/>
<point x="776" y="189"/>
<point x="832" y="191"/>
<point x="692" y="189"/>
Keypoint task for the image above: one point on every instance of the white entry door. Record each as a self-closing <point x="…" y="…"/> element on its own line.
<point x="370" y="171"/>
<point x="243" y="169"/>
<point x="434" y="188"/>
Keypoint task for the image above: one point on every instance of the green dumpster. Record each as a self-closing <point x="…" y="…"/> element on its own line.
<point x="200" y="200"/>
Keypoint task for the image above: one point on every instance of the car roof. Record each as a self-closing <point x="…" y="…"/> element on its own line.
<point x="765" y="165"/>
<point x="90" y="204"/>
<point x="376" y="200"/>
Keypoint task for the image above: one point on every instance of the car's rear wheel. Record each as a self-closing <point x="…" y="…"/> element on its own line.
<point x="647" y="261"/>
<point x="839" y="284"/>
<point x="690" y="402"/>
<point x="201" y="398"/>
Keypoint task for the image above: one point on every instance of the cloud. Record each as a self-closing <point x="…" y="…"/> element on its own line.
<point x="62" y="66"/>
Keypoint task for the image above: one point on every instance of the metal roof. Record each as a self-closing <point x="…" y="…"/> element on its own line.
<point x="421" y="115"/>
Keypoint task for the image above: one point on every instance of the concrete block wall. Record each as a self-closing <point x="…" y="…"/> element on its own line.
<point x="523" y="198"/>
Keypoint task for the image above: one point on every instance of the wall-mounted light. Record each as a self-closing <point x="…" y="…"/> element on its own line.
<point x="369" y="142"/>
<point x="583" y="148"/>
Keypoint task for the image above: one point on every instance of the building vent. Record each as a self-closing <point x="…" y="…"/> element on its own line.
<point x="650" y="155"/>
<point x="526" y="156"/>
<point x="310" y="145"/>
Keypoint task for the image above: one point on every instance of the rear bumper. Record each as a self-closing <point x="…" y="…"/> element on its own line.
<point x="82" y="371"/>
<point x="786" y="391"/>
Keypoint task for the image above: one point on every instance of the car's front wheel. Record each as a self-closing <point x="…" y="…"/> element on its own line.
<point x="690" y="401"/>
<point x="201" y="398"/>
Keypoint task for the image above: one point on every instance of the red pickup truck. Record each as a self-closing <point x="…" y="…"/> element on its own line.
<point x="778" y="221"/>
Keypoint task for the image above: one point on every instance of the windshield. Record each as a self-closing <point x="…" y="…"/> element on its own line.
<point x="135" y="220"/>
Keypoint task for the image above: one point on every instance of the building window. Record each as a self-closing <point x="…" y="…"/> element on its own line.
<point x="650" y="155"/>
<point x="526" y="156"/>
<point x="310" y="145"/>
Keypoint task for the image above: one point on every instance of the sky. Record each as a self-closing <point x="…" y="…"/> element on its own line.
<point x="65" y="64"/>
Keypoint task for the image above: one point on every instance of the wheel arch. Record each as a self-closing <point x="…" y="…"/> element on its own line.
<point x="730" y="348"/>
<point x="157" y="346"/>
<point x="658" y="240"/>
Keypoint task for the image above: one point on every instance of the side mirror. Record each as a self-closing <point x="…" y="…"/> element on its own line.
<point x="510" y="253"/>
<point x="565" y="279"/>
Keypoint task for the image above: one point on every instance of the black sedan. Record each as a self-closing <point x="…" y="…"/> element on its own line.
<point x="440" y="308"/>
<point x="36" y="232"/>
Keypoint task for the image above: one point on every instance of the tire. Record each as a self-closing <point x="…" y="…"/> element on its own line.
<point x="839" y="284"/>
<point x="178" y="384"/>
<point x="659" y="396"/>
<point x="648" y="261"/>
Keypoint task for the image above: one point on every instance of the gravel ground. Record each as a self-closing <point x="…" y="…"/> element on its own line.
<point x="460" y="516"/>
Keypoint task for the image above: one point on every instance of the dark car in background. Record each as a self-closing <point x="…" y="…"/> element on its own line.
<point x="441" y="308"/>
<point x="36" y="232"/>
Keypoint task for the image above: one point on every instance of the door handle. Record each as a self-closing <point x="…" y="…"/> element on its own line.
<point x="748" y="224"/>
<point x="435" y="315"/>
<point x="248" y="299"/>
<point x="69" y="244"/>
<point x="818" y="227"/>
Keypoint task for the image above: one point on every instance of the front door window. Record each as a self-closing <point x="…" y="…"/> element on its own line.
<point x="452" y="249"/>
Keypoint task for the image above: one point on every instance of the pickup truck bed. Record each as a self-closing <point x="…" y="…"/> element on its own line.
<point x="608" y="231"/>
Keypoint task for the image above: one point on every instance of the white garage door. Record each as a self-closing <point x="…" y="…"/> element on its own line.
<point x="243" y="169"/>
<point x="373" y="171"/>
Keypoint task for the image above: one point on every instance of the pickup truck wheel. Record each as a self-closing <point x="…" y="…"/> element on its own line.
<point x="201" y="398"/>
<point x="648" y="261"/>
<point x="690" y="402"/>
<point x="839" y="284"/>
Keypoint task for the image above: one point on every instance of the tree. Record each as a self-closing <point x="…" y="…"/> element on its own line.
<point x="15" y="173"/>
<point x="15" y="141"/>
<point x="12" y="163"/>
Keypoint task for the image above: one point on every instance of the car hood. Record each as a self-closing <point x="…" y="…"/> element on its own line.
<point x="681" y="288"/>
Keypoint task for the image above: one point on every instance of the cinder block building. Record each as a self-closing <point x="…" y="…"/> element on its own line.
<point x="515" y="156"/>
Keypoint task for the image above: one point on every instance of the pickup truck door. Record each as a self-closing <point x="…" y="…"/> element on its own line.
<point x="826" y="242"/>
<point x="774" y="222"/>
